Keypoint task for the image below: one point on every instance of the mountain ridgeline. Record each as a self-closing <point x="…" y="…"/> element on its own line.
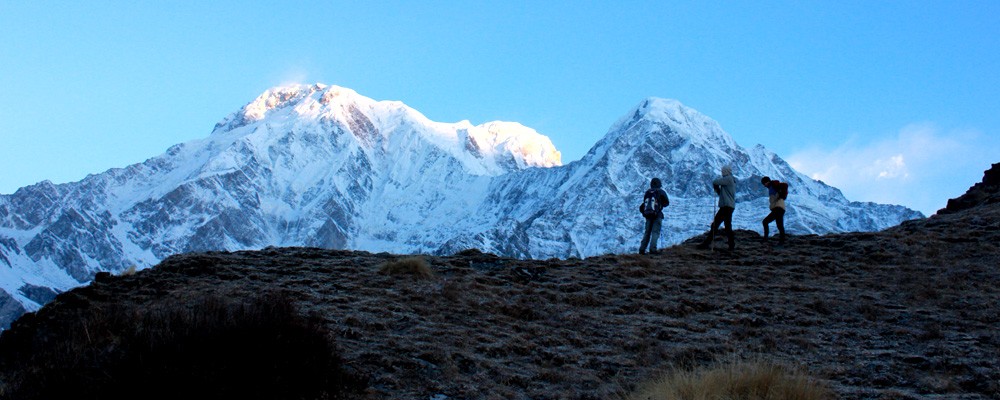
<point x="322" y="166"/>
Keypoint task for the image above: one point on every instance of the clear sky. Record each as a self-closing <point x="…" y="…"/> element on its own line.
<point x="891" y="101"/>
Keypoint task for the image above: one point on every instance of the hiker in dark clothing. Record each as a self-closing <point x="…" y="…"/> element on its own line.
<point x="777" y="193"/>
<point x="652" y="208"/>
<point x="725" y="186"/>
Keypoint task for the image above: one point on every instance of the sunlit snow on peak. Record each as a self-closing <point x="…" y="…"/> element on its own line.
<point x="487" y="149"/>
<point x="535" y="149"/>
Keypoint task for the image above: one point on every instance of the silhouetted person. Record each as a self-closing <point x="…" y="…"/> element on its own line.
<point x="777" y="192"/>
<point x="725" y="186"/>
<point x="651" y="208"/>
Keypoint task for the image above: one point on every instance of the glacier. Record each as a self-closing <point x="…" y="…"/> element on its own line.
<point x="323" y="166"/>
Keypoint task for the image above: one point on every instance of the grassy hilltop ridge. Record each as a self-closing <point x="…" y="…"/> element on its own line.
<point x="903" y="313"/>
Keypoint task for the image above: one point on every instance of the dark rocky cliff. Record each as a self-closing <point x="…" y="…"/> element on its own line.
<point x="985" y="192"/>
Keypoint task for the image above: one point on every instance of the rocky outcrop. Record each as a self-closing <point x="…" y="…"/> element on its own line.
<point x="10" y="308"/>
<point x="985" y="192"/>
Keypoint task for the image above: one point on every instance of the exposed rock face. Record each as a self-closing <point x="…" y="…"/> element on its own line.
<point x="10" y="308"/>
<point x="985" y="192"/>
<point x="908" y="312"/>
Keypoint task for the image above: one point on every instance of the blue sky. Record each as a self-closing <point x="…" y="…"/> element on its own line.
<point x="890" y="101"/>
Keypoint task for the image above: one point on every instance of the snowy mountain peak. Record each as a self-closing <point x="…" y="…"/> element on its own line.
<point x="531" y="148"/>
<point x="390" y="127"/>
<point x="667" y="125"/>
<point x="684" y="121"/>
<point x="314" y="97"/>
<point x="276" y="98"/>
<point x="655" y="109"/>
<point x="323" y="166"/>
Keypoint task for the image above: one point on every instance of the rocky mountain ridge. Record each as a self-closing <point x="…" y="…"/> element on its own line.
<point x="982" y="193"/>
<point x="322" y="166"/>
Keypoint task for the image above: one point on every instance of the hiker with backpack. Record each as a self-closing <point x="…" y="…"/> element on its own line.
<point x="725" y="187"/>
<point x="777" y="192"/>
<point x="651" y="208"/>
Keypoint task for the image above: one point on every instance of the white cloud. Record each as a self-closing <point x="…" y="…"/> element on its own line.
<point x="294" y="74"/>
<point x="892" y="168"/>
<point x="920" y="167"/>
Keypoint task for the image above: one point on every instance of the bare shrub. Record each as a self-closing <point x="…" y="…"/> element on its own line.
<point x="210" y="347"/>
<point x="415" y="266"/>
<point x="128" y="272"/>
<point x="469" y="253"/>
<point x="750" y="380"/>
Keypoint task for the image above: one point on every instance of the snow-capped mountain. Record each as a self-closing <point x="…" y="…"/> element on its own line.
<point x="317" y="165"/>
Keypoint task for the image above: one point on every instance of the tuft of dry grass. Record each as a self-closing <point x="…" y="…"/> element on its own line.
<point x="128" y="272"/>
<point x="415" y="266"/>
<point x="745" y="380"/>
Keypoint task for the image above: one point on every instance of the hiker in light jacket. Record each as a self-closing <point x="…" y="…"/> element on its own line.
<point x="777" y="193"/>
<point x="725" y="186"/>
<point x="654" y="218"/>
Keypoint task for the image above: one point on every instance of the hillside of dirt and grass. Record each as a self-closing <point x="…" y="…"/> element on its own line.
<point x="909" y="312"/>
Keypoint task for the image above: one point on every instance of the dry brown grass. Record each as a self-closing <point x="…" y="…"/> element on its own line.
<point x="749" y="380"/>
<point x="415" y="266"/>
<point x="128" y="272"/>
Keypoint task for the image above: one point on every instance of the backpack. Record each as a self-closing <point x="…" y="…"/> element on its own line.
<point x="782" y="190"/>
<point x="650" y="208"/>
